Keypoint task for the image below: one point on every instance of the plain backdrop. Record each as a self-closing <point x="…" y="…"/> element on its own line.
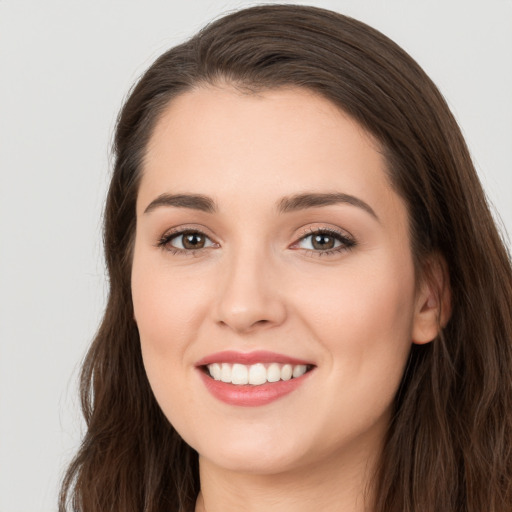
<point x="65" y="67"/>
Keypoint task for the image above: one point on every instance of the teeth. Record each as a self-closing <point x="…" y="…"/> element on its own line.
<point x="239" y="374"/>
<point x="225" y="373"/>
<point x="286" y="372"/>
<point x="215" y="371"/>
<point x="299" y="370"/>
<point x="255" y="374"/>
<point x="274" y="373"/>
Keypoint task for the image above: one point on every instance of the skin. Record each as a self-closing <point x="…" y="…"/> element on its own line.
<point x="259" y="284"/>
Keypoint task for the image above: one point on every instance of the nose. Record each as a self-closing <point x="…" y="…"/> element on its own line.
<point x="249" y="297"/>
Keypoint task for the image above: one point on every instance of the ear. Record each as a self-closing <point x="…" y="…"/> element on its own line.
<point x="433" y="300"/>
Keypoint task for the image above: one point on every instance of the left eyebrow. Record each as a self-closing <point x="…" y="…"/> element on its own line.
<point x="314" y="200"/>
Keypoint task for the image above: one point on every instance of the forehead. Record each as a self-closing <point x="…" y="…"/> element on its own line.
<point x="219" y="141"/>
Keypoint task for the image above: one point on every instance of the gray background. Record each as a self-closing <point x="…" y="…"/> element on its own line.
<point x="65" y="68"/>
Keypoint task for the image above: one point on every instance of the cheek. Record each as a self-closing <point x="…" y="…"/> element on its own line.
<point x="163" y="310"/>
<point x="171" y="304"/>
<point x="364" y="321"/>
<point x="165" y="304"/>
<point x="165" y="307"/>
<point x="364" y="324"/>
<point x="375" y="294"/>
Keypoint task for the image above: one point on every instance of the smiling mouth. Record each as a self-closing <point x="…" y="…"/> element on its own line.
<point x="255" y="374"/>
<point x="252" y="379"/>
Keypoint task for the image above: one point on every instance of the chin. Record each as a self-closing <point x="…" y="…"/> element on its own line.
<point x="251" y="453"/>
<point x="253" y="461"/>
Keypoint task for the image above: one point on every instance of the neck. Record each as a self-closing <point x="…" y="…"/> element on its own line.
<point x="330" y="487"/>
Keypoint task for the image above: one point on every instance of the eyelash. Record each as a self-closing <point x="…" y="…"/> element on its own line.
<point x="346" y="242"/>
<point x="165" y="242"/>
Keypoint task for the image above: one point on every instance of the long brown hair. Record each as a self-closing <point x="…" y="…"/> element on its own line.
<point x="449" y="446"/>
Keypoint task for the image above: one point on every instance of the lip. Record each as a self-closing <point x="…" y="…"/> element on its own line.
<point x="249" y="395"/>
<point x="248" y="358"/>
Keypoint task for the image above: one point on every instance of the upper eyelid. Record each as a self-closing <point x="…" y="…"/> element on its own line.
<point x="185" y="228"/>
<point x="171" y="235"/>
<point x="343" y="236"/>
<point x="304" y="231"/>
<point x="310" y="230"/>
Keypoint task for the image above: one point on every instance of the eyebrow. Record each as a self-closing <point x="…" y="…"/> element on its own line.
<point x="314" y="200"/>
<point x="285" y="205"/>
<point x="193" y="201"/>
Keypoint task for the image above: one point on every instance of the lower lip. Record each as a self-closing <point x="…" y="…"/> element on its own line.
<point x="248" y="395"/>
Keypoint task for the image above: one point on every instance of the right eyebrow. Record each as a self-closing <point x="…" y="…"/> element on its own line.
<point x="193" y="201"/>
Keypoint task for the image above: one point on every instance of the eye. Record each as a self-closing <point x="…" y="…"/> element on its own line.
<point x="185" y="241"/>
<point x="325" y="241"/>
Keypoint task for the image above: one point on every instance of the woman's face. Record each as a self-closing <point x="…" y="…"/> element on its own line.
<point x="269" y="242"/>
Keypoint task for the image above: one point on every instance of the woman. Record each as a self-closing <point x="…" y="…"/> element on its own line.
<point x="310" y="304"/>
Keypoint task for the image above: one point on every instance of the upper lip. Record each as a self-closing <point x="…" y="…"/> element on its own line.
<point x="248" y="358"/>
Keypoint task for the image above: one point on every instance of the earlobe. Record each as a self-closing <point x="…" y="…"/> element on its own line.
<point x="433" y="302"/>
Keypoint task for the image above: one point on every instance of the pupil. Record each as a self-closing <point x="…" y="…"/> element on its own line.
<point x="323" y="242"/>
<point x="193" y="241"/>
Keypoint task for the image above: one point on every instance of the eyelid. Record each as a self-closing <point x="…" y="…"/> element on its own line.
<point x="347" y="241"/>
<point x="181" y="228"/>
<point x="164" y="241"/>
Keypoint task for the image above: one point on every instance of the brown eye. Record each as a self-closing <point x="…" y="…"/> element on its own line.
<point x="193" y="240"/>
<point x="325" y="242"/>
<point x="322" y="242"/>
<point x="185" y="241"/>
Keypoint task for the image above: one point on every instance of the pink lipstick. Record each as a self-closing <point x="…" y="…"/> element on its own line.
<point x="254" y="378"/>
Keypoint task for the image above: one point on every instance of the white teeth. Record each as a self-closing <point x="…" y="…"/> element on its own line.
<point x="225" y="374"/>
<point x="299" y="370"/>
<point x="286" y="372"/>
<point x="215" y="371"/>
<point x="274" y="373"/>
<point x="239" y="374"/>
<point x="255" y="374"/>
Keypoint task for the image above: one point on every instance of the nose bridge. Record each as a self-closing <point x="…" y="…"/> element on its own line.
<point x="248" y="296"/>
